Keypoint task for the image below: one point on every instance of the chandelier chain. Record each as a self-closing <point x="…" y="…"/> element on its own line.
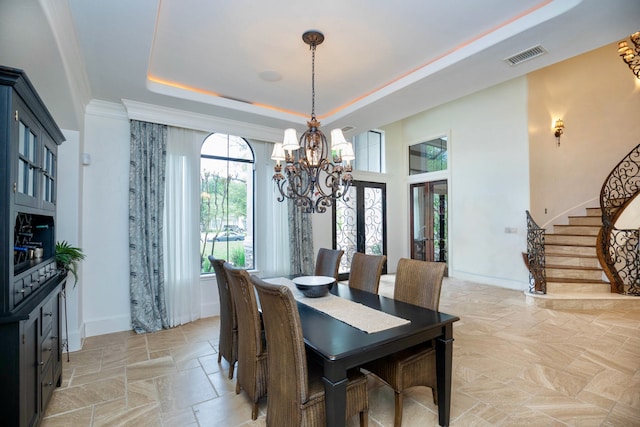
<point x="313" y="80"/>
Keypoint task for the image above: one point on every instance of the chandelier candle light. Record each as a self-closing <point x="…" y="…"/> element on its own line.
<point x="311" y="179"/>
<point x="631" y="58"/>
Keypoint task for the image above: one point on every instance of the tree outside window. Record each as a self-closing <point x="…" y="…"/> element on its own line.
<point x="226" y="201"/>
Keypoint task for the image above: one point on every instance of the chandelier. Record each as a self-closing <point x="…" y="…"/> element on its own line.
<point x="315" y="175"/>
<point x="627" y="54"/>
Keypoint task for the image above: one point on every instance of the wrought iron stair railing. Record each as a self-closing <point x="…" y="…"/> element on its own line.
<point x="535" y="258"/>
<point x="618" y="249"/>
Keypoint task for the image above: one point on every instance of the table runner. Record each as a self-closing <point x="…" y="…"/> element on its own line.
<point x="359" y="316"/>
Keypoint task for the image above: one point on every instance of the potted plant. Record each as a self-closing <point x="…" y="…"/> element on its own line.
<point x="68" y="257"/>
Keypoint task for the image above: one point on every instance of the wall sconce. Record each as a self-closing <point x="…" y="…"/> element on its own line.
<point x="558" y="130"/>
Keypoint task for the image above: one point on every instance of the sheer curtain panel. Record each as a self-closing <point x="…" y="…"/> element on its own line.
<point x="146" y="204"/>
<point x="182" y="225"/>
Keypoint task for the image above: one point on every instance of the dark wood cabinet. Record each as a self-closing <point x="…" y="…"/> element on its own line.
<point x="30" y="284"/>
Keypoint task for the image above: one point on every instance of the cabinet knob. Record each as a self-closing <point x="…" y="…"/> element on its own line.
<point x="47" y="349"/>
<point x="48" y="314"/>
<point x="20" y="291"/>
<point x="40" y="363"/>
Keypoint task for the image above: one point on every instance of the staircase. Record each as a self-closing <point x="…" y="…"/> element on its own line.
<point x="590" y="263"/>
<point x="572" y="265"/>
<point x="574" y="278"/>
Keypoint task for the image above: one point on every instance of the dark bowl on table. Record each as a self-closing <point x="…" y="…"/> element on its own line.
<point x="314" y="286"/>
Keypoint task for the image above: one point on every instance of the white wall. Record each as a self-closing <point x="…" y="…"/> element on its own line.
<point x="489" y="184"/>
<point x="105" y="228"/>
<point x="68" y="227"/>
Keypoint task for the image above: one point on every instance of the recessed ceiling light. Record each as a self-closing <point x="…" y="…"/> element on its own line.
<point x="270" y="76"/>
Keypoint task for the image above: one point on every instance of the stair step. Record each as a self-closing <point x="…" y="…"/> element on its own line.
<point x="594" y="212"/>
<point x="584" y="301"/>
<point x="553" y="249"/>
<point x="579" y="230"/>
<point x="585" y="220"/>
<point x="560" y="272"/>
<point x="570" y="239"/>
<point x="558" y="287"/>
<point x="572" y="260"/>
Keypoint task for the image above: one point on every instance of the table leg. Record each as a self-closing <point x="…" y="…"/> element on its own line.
<point x="444" y="362"/>
<point x="335" y="394"/>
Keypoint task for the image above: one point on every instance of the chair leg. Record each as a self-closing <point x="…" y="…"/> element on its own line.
<point x="231" y="371"/>
<point x="219" y="356"/>
<point x="398" y="419"/>
<point x="254" y="411"/>
<point x="435" y="395"/>
<point x="237" y="386"/>
<point x="364" y="419"/>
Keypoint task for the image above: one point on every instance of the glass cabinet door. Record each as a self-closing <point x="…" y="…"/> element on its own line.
<point x="48" y="172"/>
<point x="27" y="160"/>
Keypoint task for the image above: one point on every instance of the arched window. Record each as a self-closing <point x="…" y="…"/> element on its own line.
<point x="226" y="201"/>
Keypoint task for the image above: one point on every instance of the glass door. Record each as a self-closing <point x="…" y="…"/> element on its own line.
<point x="359" y="223"/>
<point x="429" y="221"/>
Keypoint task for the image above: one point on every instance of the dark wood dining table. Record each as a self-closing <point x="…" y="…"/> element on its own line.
<point x="339" y="346"/>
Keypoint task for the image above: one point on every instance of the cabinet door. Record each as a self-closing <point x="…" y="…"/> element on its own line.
<point x="28" y="161"/>
<point x="48" y="173"/>
<point x="29" y="372"/>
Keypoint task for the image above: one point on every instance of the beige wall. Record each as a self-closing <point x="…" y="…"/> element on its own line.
<point x="598" y="98"/>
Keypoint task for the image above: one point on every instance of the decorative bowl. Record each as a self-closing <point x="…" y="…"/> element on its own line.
<point x="314" y="286"/>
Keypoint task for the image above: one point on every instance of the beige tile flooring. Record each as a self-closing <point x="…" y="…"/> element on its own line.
<point x="514" y="364"/>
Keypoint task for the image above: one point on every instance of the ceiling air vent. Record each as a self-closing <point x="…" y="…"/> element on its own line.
<point x="347" y="128"/>
<point x="525" y="55"/>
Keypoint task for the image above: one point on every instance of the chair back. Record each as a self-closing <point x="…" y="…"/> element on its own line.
<point x="250" y="344"/>
<point x="288" y="383"/>
<point x="366" y="271"/>
<point x="328" y="262"/>
<point x="419" y="282"/>
<point x="228" y="320"/>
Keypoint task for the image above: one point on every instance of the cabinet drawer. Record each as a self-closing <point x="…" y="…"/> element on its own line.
<point x="18" y="291"/>
<point x="46" y="385"/>
<point x="47" y="350"/>
<point x="47" y="315"/>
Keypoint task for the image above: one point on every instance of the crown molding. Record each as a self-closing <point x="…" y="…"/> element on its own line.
<point x="63" y="29"/>
<point x="101" y="108"/>
<point x="189" y="120"/>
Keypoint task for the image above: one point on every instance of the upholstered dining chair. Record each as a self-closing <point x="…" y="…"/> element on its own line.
<point x="252" y="372"/>
<point x="366" y="271"/>
<point x="328" y="262"/>
<point x="418" y="283"/>
<point x="228" y="341"/>
<point x="296" y="391"/>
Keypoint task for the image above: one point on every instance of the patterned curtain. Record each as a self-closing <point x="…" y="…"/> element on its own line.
<point x="300" y="240"/>
<point x="146" y="204"/>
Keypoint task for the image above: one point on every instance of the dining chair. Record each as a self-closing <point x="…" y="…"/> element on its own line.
<point x="366" y="271"/>
<point x="328" y="262"/>
<point x="296" y="391"/>
<point x="228" y="341"/>
<point x="252" y="372"/>
<point x="419" y="283"/>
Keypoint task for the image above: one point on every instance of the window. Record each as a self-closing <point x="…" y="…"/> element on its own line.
<point x="226" y="201"/>
<point x="368" y="150"/>
<point x="429" y="156"/>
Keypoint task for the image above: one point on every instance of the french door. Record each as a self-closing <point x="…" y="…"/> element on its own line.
<point x="429" y="221"/>
<point x="360" y="223"/>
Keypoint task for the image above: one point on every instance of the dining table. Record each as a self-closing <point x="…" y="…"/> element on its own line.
<point x="340" y="346"/>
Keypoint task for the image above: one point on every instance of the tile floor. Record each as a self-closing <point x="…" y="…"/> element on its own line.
<point x="514" y="364"/>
